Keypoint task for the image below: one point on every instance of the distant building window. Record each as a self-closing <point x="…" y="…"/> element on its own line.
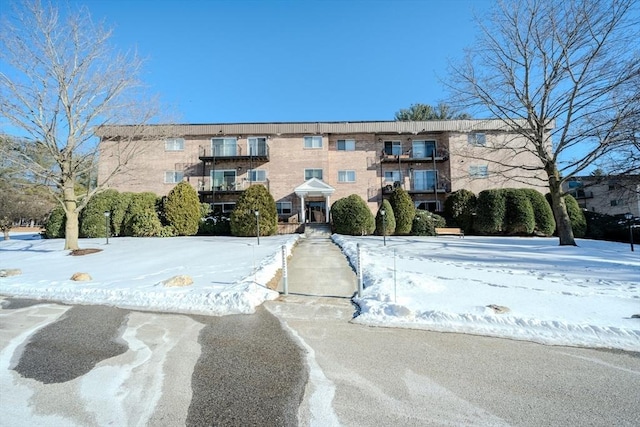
<point x="346" y="176"/>
<point x="477" y="139"/>
<point x="174" y="144"/>
<point x="478" y="171"/>
<point x="223" y="207"/>
<point x="392" y="176"/>
<point x="617" y="202"/>
<point x="284" y="208"/>
<point x="312" y="142"/>
<point x="224" y="146"/>
<point x="423" y="149"/>
<point x="257" y="175"/>
<point x="346" y="144"/>
<point x="613" y="186"/>
<point x="429" y="205"/>
<point x="312" y="173"/>
<point x="173" y="177"/>
<point x="257" y="145"/>
<point x="393" y="148"/>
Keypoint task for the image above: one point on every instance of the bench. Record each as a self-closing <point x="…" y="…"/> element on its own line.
<point x="449" y="232"/>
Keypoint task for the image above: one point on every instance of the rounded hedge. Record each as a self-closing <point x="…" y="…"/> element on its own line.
<point x="460" y="207"/>
<point x="403" y="209"/>
<point x="386" y="226"/>
<point x="118" y="211"/>
<point x="140" y="204"/>
<point x="542" y="212"/>
<point x="425" y="223"/>
<point x="182" y="209"/>
<point x="243" y="218"/>
<point x="92" y="220"/>
<point x="490" y="210"/>
<point x="146" y="224"/>
<point x="351" y="216"/>
<point x="54" y="228"/>
<point x="518" y="218"/>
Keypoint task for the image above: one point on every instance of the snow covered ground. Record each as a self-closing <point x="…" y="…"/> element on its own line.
<point x="229" y="273"/>
<point x="583" y="295"/>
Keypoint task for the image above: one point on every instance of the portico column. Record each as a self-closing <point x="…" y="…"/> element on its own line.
<point x="326" y="208"/>
<point x="303" y="215"/>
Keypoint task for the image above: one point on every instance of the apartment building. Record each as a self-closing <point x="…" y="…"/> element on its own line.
<point x="307" y="166"/>
<point x="612" y="195"/>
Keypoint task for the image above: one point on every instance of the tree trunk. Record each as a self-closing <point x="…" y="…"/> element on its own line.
<point x="6" y="233"/>
<point x="563" y="222"/>
<point x="71" y="225"/>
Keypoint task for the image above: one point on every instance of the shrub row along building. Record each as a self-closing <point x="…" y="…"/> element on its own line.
<point x="307" y="166"/>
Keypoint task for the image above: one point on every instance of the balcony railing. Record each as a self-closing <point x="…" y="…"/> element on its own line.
<point x="232" y="152"/>
<point x="229" y="187"/>
<point x="411" y="155"/>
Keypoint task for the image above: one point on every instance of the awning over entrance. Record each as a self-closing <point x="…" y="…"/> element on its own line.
<point x="314" y="188"/>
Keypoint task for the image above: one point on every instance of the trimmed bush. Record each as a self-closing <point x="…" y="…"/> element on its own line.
<point x="460" y="208"/>
<point x="145" y="224"/>
<point x="351" y="216"/>
<point x="545" y="223"/>
<point x="205" y="210"/>
<point x="403" y="209"/>
<point x="140" y="204"/>
<point x="118" y="211"/>
<point x="243" y="218"/>
<point x="519" y="218"/>
<point x="54" y="228"/>
<point x="215" y="225"/>
<point x="182" y="209"/>
<point x="386" y="226"/>
<point x="425" y="223"/>
<point x="92" y="220"/>
<point x="576" y="215"/>
<point x="490" y="210"/>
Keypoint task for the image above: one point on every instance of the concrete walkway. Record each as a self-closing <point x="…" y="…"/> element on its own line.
<point x="317" y="267"/>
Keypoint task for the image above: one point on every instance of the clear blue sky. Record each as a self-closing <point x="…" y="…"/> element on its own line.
<point x="275" y="60"/>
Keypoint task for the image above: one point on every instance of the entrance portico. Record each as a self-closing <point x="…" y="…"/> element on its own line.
<point x="314" y="188"/>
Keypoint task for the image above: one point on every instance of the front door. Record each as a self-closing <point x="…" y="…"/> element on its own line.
<point x="316" y="212"/>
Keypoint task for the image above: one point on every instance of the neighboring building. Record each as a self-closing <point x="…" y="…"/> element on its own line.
<point x="307" y="166"/>
<point x="612" y="195"/>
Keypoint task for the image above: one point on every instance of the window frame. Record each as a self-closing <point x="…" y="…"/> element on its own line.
<point x="430" y="176"/>
<point x="346" y="147"/>
<point x="223" y="182"/>
<point x="425" y="143"/>
<point x="173" y="141"/>
<point x="321" y="178"/>
<point x="257" y="151"/>
<point x="481" y="171"/>
<point x="281" y="211"/>
<point x="393" y="144"/>
<point x="252" y="177"/>
<point x="312" y="138"/>
<point x="224" y="146"/>
<point x="345" y="174"/>
<point x="223" y="205"/>
<point x="393" y="174"/>
<point x="176" y="174"/>
<point x="477" y="139"/>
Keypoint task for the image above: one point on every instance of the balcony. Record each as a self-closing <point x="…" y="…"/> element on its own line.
<point x="233" y="152"/>
<point x="412" y="156"/>
<point x="228" y="187"/>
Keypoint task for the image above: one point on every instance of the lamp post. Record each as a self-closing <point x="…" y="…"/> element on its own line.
<point x="629" y="217"/>
<point x="384" y="226"/>
<point x="257" y="213"/>
<point x="107" y="214"/>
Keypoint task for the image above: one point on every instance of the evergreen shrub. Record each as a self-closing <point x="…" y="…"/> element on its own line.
<point x="490" y="211"/>
<point x="92" y="220"/>
<point x="519" y="218"/>
<point x="386" y="226"/>
<point x="54" y="227"/>
<point x="243" y="218"/>
<point x="351" y="216"/>
<point x="460" y="207"/>
<point x="425" y="223"/>
<point x="403" y="209"/>
<point x="545" y="223"/>
<point x="182" y="209"/>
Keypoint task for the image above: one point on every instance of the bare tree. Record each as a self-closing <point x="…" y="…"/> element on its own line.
<point x="59" y="81"/>
<point x="563" y="75"/>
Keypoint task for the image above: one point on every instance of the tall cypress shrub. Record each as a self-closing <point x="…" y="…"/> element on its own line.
<point x="243" y="218"/>
<point x="92" y="219"/>
<point x="545" y="223"/>
<point x="403" y="209"/>
<point x="519" y="218"/>
<point x="182" y="209"/>
<point x="460" y="208"/>
<point x="386" y="225"/>
<point x="490" y="210"/>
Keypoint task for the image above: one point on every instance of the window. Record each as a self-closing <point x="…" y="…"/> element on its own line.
<point x="575" y="184"/>
<point x="223" y="207"/>
<point x="393" y="148"/>
<point x="346" y="144"/>
<point x="173" y="177"/>
<point x="428" y="205"/>
<point x="223" y="180"/>
<point x="424" y="180"/>
<point x="312" y="173"/>
<point x="392" y="176"/>
<point x="224" y="146"/>
<point x="613" y="186"/>
<point x="174" y="144"/>
<point x="617" y="202"/>
<point x="312" y="142"/>
<point x="477" y="139"/>
<point x="346" y="176"/>
<point x="257" y="175"/>
<point x="479" y="171"/>
<point x="422" y="149"/>
<point x="257" y="145"/>
<point x="284" y="208"/>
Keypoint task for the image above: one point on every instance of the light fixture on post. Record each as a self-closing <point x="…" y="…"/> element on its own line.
<point x="629" y="216"/>
<point x="107" y="214"/>
<point x="257" y="214"/>
<point x="384" y="226"/>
